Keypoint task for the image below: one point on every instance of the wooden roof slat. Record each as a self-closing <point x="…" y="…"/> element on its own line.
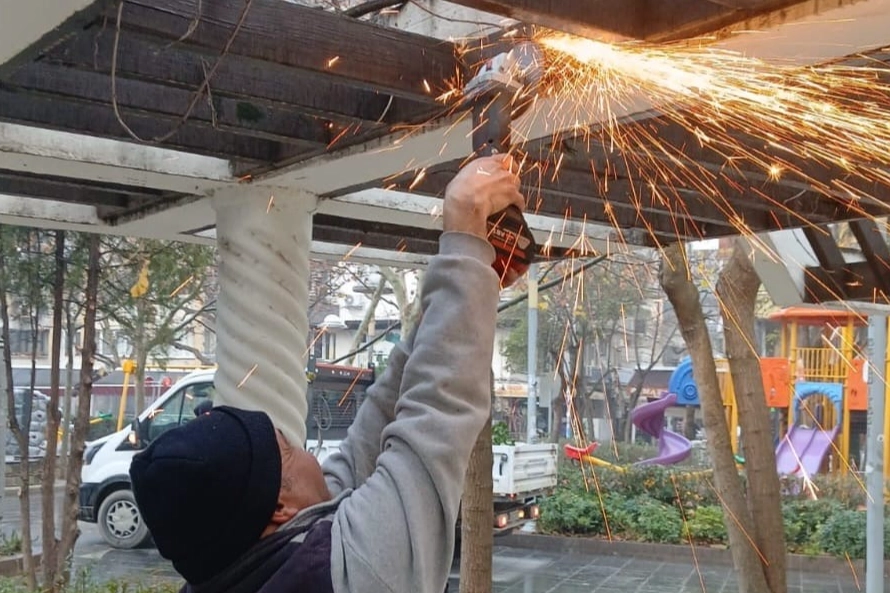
<point x="741" y="190"/>
<point x="874" y="195"/>
<point x="657" y="20"/>
<point x="379" y="235"/>
<point x="309" y="39"/>
<point x="874" y="249"/>
<point x="95" y="119"/>
<point x="243" y="118"/>
<point x="72" y="191"/>
<point x="263" y="84"/>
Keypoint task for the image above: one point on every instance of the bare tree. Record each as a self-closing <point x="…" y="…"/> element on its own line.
<point x="82" y="421"/>
<point x="684" y="295"/>
<point x="477" y="517"/>
<point x="53" y="418"/>
<point x="737" y="290"/>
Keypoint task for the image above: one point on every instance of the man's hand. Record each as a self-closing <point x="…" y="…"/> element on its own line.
<point x="483" y="187"/>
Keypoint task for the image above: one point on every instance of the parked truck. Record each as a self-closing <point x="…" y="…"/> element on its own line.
<point x="521" y="473"/>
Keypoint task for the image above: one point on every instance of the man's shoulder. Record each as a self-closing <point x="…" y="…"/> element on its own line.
<point x="307" y="567"/>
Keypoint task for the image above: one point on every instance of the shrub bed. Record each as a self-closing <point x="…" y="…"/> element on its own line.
<point x="654" y="504"/>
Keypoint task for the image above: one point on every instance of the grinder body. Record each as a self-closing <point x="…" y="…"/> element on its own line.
<point x="493" y="93"/>
<point x="508" y="232"/>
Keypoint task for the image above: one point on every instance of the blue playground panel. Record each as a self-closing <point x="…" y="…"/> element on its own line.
<point x="683" y="384"/>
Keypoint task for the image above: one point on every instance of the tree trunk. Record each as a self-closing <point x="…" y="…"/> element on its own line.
<point x="82" y="421"/>
<point x="737" y="293"/>
<point x="689" y="423"/>
<point x="370" y="314"/>
<point x="16" y="428"/>
<point x="139" y="381"/>
<point x="140" y="353"/>
<point x="477" y="519"/>
<point x="49" y="560"/>
<point x="683" y="295"/>
<point x="557" y="412"/>
<point x="628" y="409"/>
<point x="69" y="386"/>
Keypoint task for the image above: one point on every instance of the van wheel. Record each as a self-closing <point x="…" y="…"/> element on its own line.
<point x="120" y="521"/>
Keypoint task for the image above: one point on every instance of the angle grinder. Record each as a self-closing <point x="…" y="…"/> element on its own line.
<point x="499" y="93"/>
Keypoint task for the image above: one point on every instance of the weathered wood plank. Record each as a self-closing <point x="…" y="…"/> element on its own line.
<point x="73" y="191"/>
<point x="99" y="120"/>
<point x="261" y="83"/>
<point x="830" y="257"/>
<point x="346" y="231"/>
<point x="874" y="248"/>
<point x="857" y="279"/>
<point x="239" y="117"/>
<point x="646" y="19"/>
<point x="309" y="39"/>
<point x="575" y="196"/>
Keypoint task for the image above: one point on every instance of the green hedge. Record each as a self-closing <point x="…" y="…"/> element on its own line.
<point x="653" y="504"/>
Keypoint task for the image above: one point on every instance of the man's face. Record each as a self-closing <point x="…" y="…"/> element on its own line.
<point x="302" y="481"/>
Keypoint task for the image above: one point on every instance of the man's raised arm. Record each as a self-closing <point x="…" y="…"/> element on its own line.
<point x="396" y="531"/>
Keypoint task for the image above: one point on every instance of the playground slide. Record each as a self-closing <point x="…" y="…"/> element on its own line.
<point x="672" y="447"/>
<point x="804" y="448"/>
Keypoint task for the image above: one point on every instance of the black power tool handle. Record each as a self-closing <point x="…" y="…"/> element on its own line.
<point x="491" y="127"/>
<point x="508" y="232"/>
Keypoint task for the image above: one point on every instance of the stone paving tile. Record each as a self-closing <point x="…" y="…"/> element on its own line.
<point x="516" y="570"/>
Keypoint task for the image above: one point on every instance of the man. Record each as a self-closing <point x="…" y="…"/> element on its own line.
<point x="239" y="509"/>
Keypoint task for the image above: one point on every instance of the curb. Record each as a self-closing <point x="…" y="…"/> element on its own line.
<point x="675" y="553"/>
<point x="11" y="566"/>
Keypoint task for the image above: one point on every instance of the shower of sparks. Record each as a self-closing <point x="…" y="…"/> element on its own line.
<point x="247" y="376"/>
<point x="688" y="532"/>
<point x="179" y="288"/>
<point x="853" y="570"/>
<point x="782" y="139"/>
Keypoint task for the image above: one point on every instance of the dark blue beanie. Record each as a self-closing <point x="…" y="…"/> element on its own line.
<point x="208" y="489"/>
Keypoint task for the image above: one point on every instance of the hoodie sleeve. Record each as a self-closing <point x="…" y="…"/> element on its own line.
<point x="357" y="457"/>
<point x="396" y="531"/>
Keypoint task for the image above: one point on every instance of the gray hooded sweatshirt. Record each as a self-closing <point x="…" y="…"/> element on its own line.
<point x="398" y="477"/>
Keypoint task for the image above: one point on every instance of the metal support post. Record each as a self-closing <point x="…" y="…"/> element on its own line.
<point x="874" y="463"/>
<point x="532" y="412"/>
<point x="262" y="323"/>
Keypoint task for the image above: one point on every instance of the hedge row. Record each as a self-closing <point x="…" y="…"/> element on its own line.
<point x="652" y="504"/>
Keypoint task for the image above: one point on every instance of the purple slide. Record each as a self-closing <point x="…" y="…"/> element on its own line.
<point x="672" y="447"/>
<point x="804" y="449"/>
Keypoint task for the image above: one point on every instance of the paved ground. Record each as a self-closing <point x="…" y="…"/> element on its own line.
<point x="516" y="570"/>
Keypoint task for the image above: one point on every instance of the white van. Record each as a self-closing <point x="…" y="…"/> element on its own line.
<point x="106" y="496"/>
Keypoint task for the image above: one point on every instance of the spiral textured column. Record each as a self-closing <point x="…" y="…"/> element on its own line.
<point x="262" y="322"/>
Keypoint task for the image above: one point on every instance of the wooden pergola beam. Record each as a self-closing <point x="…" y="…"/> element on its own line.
<point x="624" y="206"/>
<point x="833" y="276"/>
<point x="637" y="19"/>
<point x="90" y="118"/>
<point x="377" y="235"/>
<point x="607" y="196"/>
<point x="750" y="156"/>
<point x="276" y="123"/>
<point x="858" y="282"/>
<point x="315" y="41"/>
<point x="259" y="84"/>
<point x="735" y="192"/>
<point x="874" y="249"/>
<point x="62" y="189"/>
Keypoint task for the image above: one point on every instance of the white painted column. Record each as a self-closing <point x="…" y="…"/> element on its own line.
<point x="264" y="239"/>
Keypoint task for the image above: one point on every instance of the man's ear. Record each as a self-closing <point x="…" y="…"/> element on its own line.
<point x="283" y="513"/>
